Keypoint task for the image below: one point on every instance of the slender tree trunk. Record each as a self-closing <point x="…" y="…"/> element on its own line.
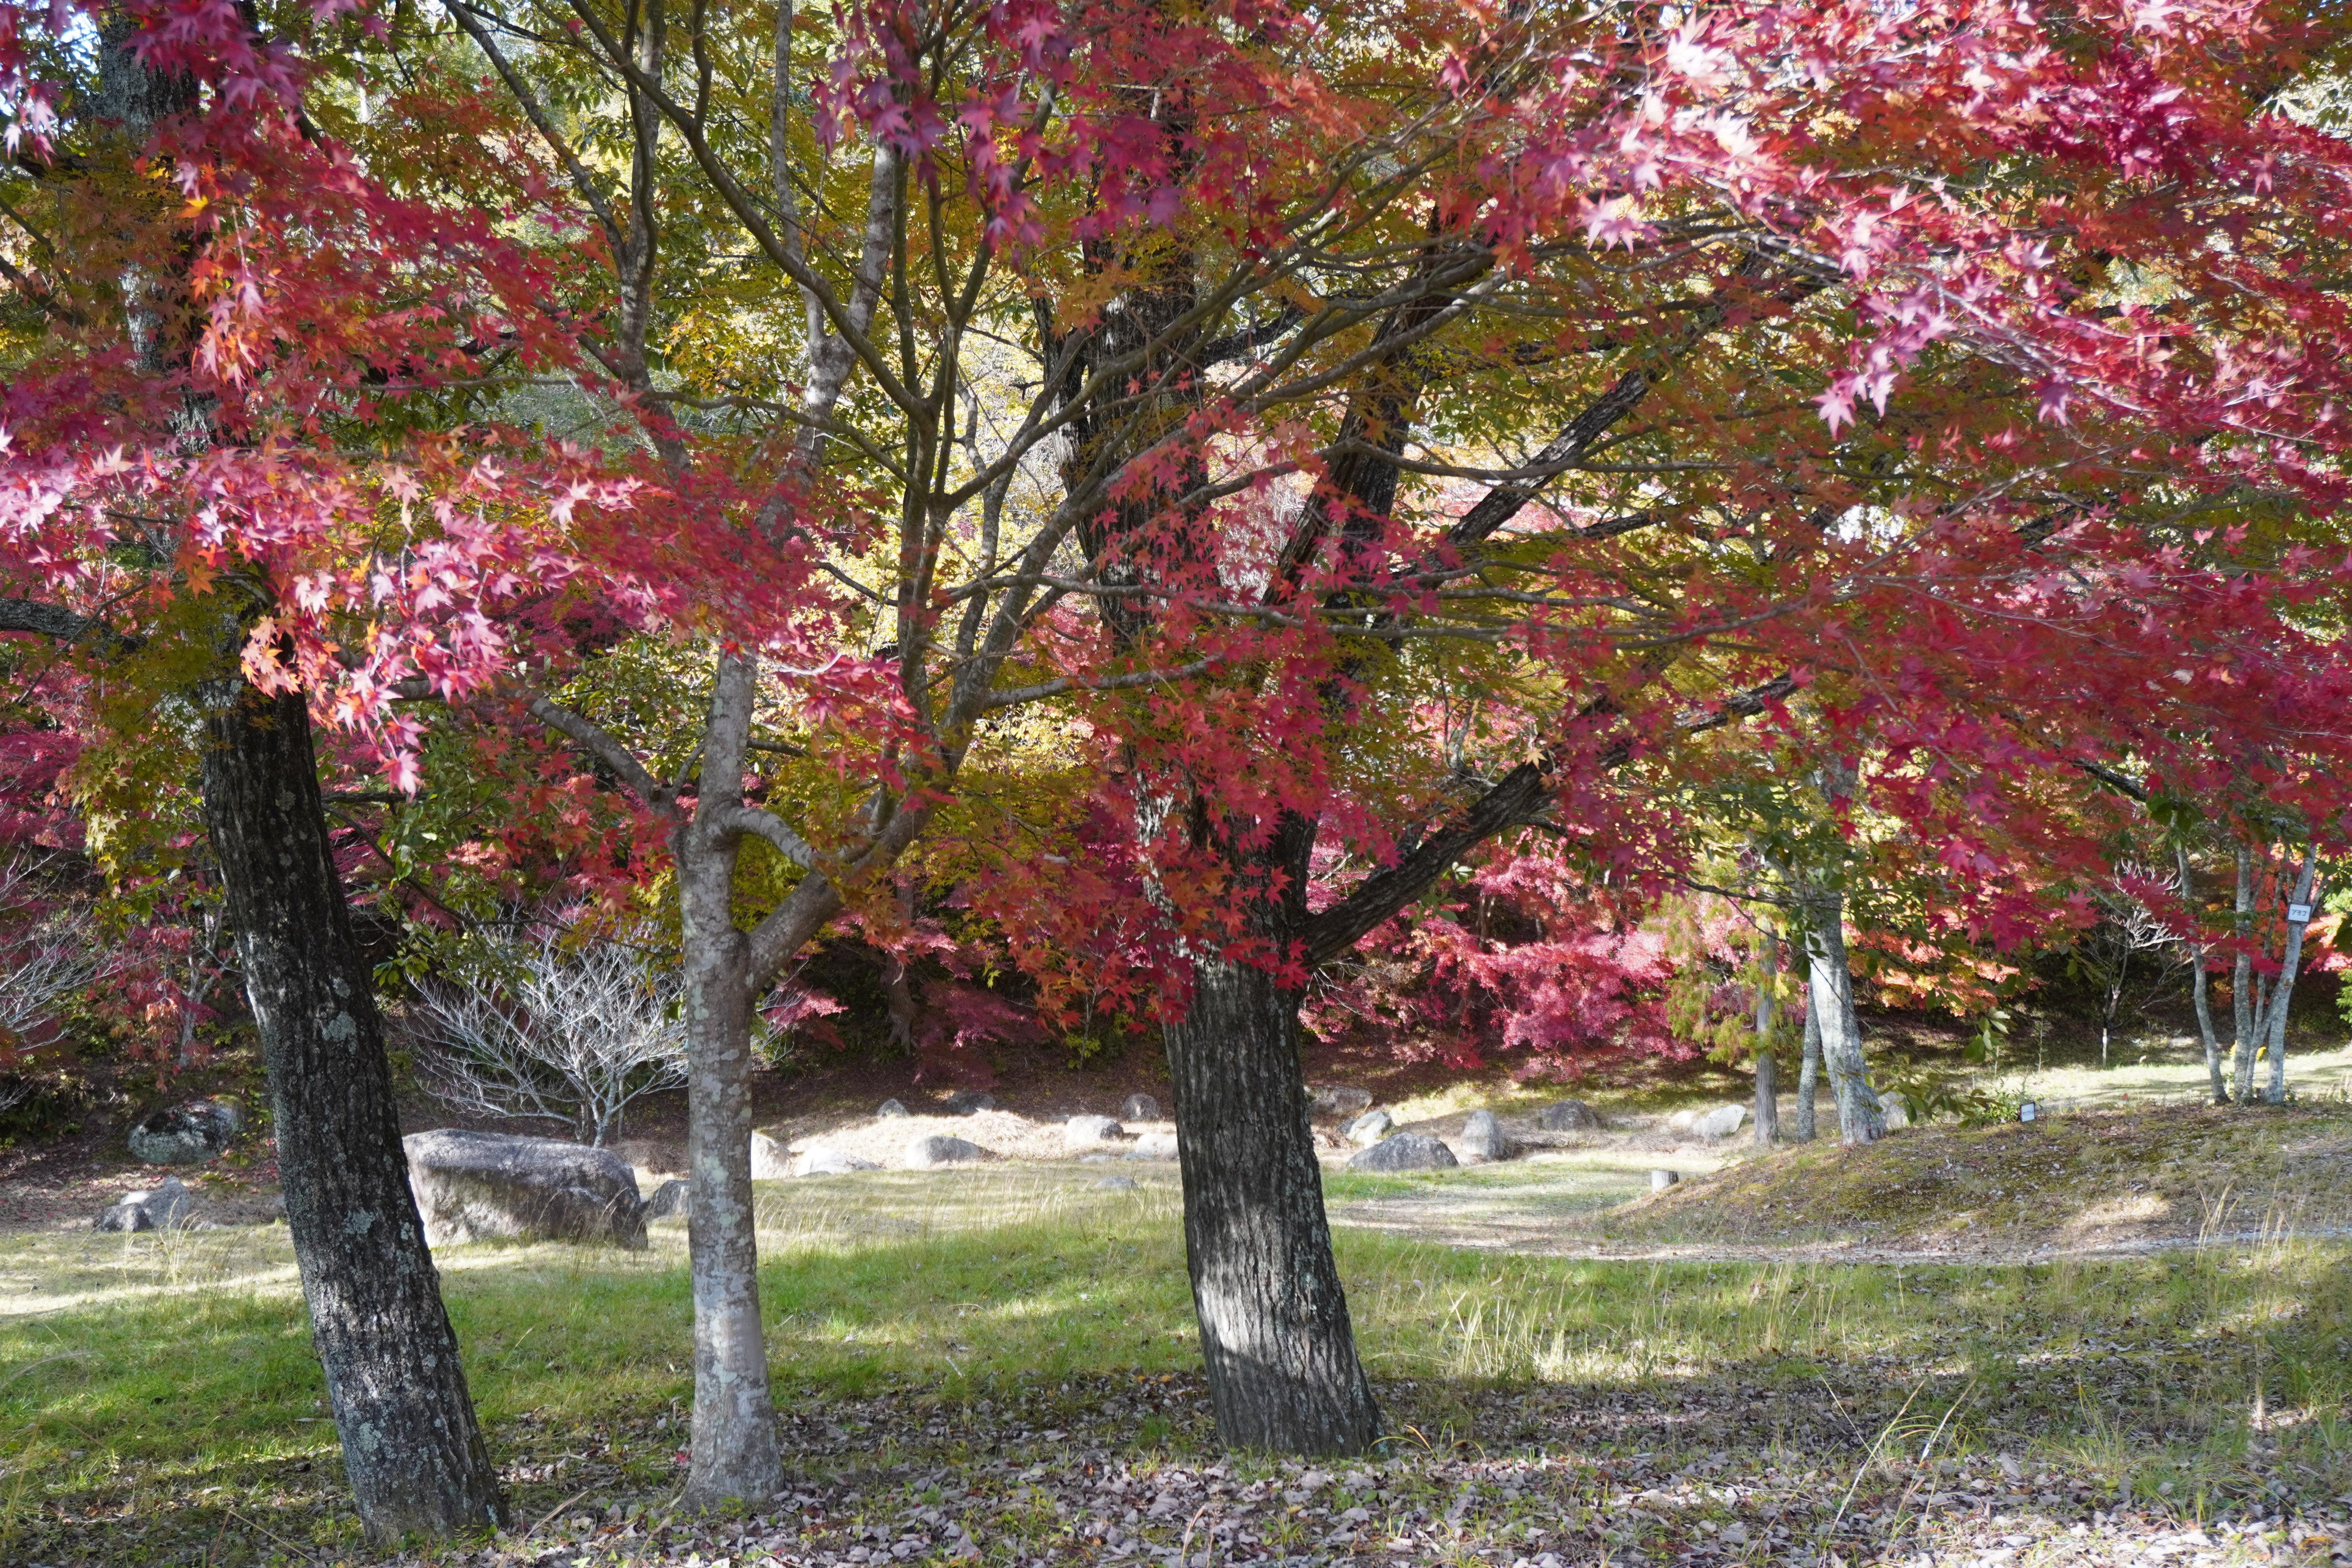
<point x="2244" y="1004"/>
<point x="1861" y="1118"/>
<point x="1809" y="1073"/>
<point x="2197" y="984"/>
<point x="1283" y="1372"/>
<point x="412" y="1450"/>
<point x="2283" y="993"/>
<point x="734" y="1454"/>
<point x="1767" y="1087"/>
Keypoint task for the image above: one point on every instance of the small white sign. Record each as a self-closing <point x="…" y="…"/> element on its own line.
<point x="2026" y="1112"/>
<point x="2298" y="913"/>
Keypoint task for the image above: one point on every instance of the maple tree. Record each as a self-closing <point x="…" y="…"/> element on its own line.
<point x="1257" y="401"/>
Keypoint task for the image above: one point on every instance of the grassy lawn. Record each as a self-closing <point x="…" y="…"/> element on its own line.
<point x="944" y="1335"/>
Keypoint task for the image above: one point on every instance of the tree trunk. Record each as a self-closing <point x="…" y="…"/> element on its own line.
<point x="1861" y="1118"/>
<point x="411" y="1448"/>
<point x="1767" y="1087"/>
<point x="1809" y="1072"/>
<point x="2196" y="993"/>
<point x="734" y="1455"/>
<point x="2283" y="991"/>
<point x="2244" y="1005"/>
<point x="1283" y="1373"/>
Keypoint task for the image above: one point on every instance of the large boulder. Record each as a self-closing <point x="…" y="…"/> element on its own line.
<point x="1405" y="1152"/>
<point x="1090" y="1132"/>
<point x="1483" y="1138"/>
<point x="935" y="1149"/>
<point x="771" y="1158"/>
<point x="1335" y="1100"/>
<point x="1154" y="1146"/>
<point x="1568" y="1116"/>
<point x="1720" y="1123"/>
<point x="967" y="1102"/>
<point x="163" y="1207"/>
<point x="186" y="1134"/>
<point x="474" y="1186"/>
<point x="823" y="1162"/>
<point x="1369" y="1128"/>
<point x="1139" y="1108"/>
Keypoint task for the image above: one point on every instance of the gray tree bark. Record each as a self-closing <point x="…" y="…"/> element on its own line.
<point x="2245" y="985"/>
<point x="411" y="1447"/>
<point x="1809" y="1072"/>
<point x="1830" y="980"/>
<point x="1767" y="1088"/>
<point x="1283" y="1371"/>
<point x="2198" y="994"/>
<point x="2283" y="991"/>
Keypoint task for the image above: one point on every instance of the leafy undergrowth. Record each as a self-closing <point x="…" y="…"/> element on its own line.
<point x="1015" y="1380"/>
<point x="2084" y="1179"/>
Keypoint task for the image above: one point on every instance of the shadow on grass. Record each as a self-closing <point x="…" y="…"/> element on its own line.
<point x="151" y="1427"/>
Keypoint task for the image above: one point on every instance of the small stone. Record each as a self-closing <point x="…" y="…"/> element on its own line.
<point x="1661" y="1180"/>
<point x="1101" y="1159"/>
<point x="186" y="1134"/>
<point x="1088" y="1131"/>
<point x="1404" y="1151"/>
<point x="1568" y="1116"/>
<point x="668" y="1201"/>
<point x="128" y="1214"/>
<point x="1115" y="1185"/>
<point x="935" y="1149"/>
<point x="1721" y="1122"/>
<point x="821" y="1160"/>
<point x="771" y="1159"/>
<point x="1369" y="1128"/>
<point x="1139" y="1108"/>
<point x="1483" y="1138"/>
<point x="1154" y="1146"/>
<point x="965" y="1103"/>
<point x="167" y="1204"/>
<point x="1683" y="1121"/>
<point x="1337" y="1099"/>
<point x="889" y="1108"/>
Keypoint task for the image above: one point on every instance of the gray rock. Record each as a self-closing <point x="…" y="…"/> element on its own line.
<point x="1685" y="1119"/>
<point x="1154" y="1146"/>
<point x="1369" y="1128"/>
<point x="1102" y="1159"/>
<point x="1088" y="1131"/>
<point x="186" y="1134"/>
<point x="128" y="1214"/>
<point x="668" y="1201"/>
<point x="1115" y="1185"/>
<point x="1661" y="1180"/>
<point x="1139" y="1108"/>
<point x="823" y="1162"/>
<point x="935" y="1149"/>
<point x="1483" y="1138"/>
<point x="1721" y="1122"/>
<point x="1404" y="1151"/>
<point x="889" y="1108"/>
<point x="473" y="1186"/>
<point x="163" y="1207"/>
<point x="1334" y="1100"/>
<point x="1568" y="1116"/>
<point x="964" y="1102"/>
<point x="771" y="1158"/>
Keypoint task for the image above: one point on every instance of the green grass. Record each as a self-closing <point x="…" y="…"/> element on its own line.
<point x="195" y="1411"/>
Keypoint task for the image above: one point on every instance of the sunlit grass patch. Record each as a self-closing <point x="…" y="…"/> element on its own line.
<point x="909" y="1315"/>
